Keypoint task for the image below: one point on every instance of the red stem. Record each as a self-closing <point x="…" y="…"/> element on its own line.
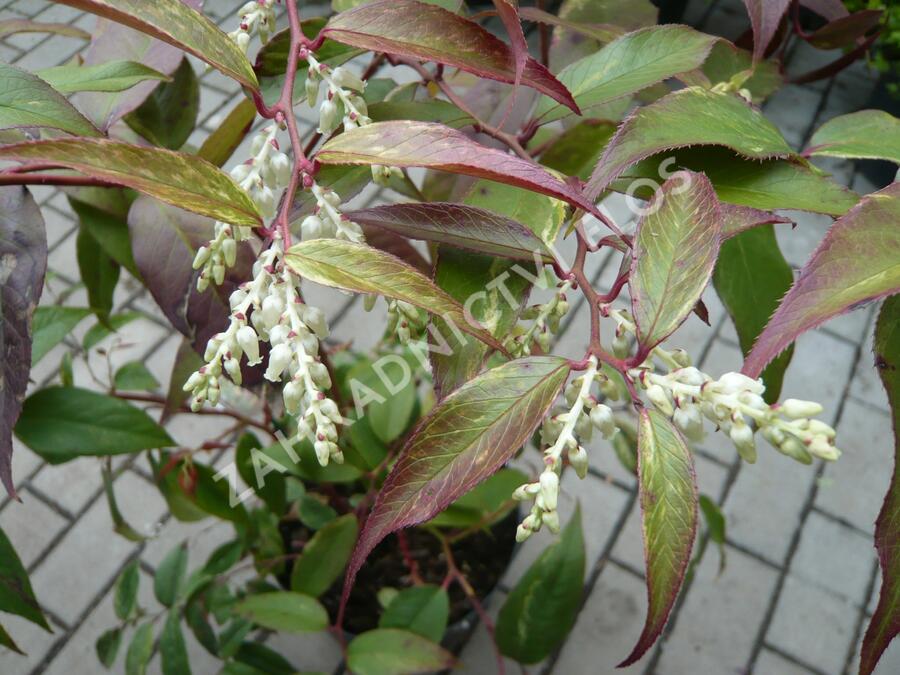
<point x="51" y="179"/>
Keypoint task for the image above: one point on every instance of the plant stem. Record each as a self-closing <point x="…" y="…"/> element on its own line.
<point x="159" y="400"/>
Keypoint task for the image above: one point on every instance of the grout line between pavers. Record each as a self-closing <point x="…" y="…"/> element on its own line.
<point x="787" y="656"/>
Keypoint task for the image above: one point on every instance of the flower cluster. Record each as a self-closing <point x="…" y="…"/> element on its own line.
<point x="327" y="221"/>
<point x="257" y="16"/>
<point x="269" y="309"/>
<point x="563" y="432"/>
<point x="545" y="322"/>
<point x="261" y="176"/>
<point x="406" y="320"/>
<point x="733" y="403"/>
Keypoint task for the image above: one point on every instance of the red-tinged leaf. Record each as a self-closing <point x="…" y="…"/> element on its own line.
<point x="675" y="249"/>
<point x="23" y="262"/>
<point x="363" y="269"/>
<point x="765" y="17"/>
<point x="885" y="623"/>
<point x="398" y="246"/>
<point x="180" y="25"/>
<point x="465" y="439"/>
<point x="829" y="9"/>
<point x="737" y="219"/>
<point x="176" y="178"/>
<point x="111" y="40"/>
<point x="846" y="30"/>
<point x="602" y="32"/>
<point x="508" y="10"/>
<point x="459" y="225"/>
<point x="431" y="33"/>
<point x="668" y="494"/>
<point x="435" y="146"/>
<point x="855" y="263"/>
<point x="865" y="134"/>
<point x="689" y="117"/>
<point x="13" y="26"/>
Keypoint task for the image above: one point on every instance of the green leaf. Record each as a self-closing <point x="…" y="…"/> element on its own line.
<point x="726" y="62"/>
<point x="856" y="262"/>
<point x="325" y="556"/>
<point x="253" y="469"/>
<point x="220" y="145"/>
<point x="668" y="495"/>
<point x="172" y="648"/>
<point x="168" y="116"/>
<point x="485" y="504"/>
<point x="109" y="231"/>
<point x="576" y="151"/>
<point x="99" y="273"/>
<point x="541" y="610"/>
<point x="126" y="590"/>
<point x="768" y="184"/>
<point x="109" y="76"/>
<point x="263" y="660"/>
<point x="465" y="439"/>
<point x="284" y="611"/>
<point x="541" y="214"/>
<point x="140" y="650"/>
<point x="170" y="575"/>
<point x="178" y="24"/>
<point x="134" y="376"/>
<point x="50" y="325"/>
<point x="867" y="134"/>
<point x="175" y="178"/>
<point x="675" y="253"/>
<point x="120" y="525"/>
<point x="362" y="269"/>
<point x="60" y="423"/>
<point x="429" y="33"/>
<point x="314" y="512"/>
<point x="692" y="116"/>
<point x="883" y="627"/>
<point x="751" y="277"/>
<point x="187" y="361"/>
<point x="388" y="651"/>
<point x="16" y="595"/>
<point x="458" y="225"/>
<point x="424" y="610"/>
<point x="628" y="64"/>
<point x="13" y="26"/>
<point x="442" y="112"/>
<point x="107" y="647"/>
<point x="384" y="391"/>
<point x="715" y="526"/>
<point x="28" y="101"/>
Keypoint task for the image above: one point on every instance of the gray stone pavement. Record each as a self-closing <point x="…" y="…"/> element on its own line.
<point x="800" y="579"/>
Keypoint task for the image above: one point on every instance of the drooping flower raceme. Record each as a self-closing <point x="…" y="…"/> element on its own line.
<point x="257" y="17"/>
<point x="545" y="320"/>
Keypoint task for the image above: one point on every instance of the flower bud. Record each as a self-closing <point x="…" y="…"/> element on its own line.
<point x="795" y="450"/>
<point x="265" y="200"/>
<point x="249" y="343"/>
<point x="819" y="428"/>
<point x="732" y="383"/>
<point x="742" y="437"/>
<point x="240" y="172"/>
<point x="281" y="168"/>
<point x="620" y="346"/>
<point x="279" y="359"/>
<point x="259" y="140"/>
<point x="229" y="251"/>
<point x="549" y="489"/>
<point x="201" y="257"/>
<point x="369" y="301"/>
<point x="312" y="88"/>
<point x="820" y="447"/>
<point x="347" y="79"/>
<point x="323" y="452"/>
<point x="243" y="41"/>
<point x="660" y="399"/>
<point x="311" y="228"/>
<point x="332" y="197"/>
<point x="602" y="418"/>
<point x="218" y="272"/>
<point x="551" y="520"/>
<point x="522" y="533"/>
<point x="193" y="382"/>
<point x="315" y="319"/>
<point x="798" y="409"/>
<point x="688" y="419"/>
<point x="293" y="396"/>
<point x="233" y="368"/>
<point x="272" y="308"/>
<point x="578" y="459"/>
<point x="328" y="117"/>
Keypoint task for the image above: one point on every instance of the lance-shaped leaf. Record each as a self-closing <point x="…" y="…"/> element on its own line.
<point x="692" y="116"/>
<point x="737" y="219"/>
<point x="109" y="76"/>
<point x="27" y="101"/>
<point x="845" y="30"/>
<point x="363" y="269"/>
<point x="765" y="16"/>
<point x="627" y="65"/>
<point x="176" y="178"/>
<point x="16" y="594"/>
<point x="390" y="651"/>
<point x="508" y="10"/>
<point x="23" y="250"/>
<point x="855" y="263"/>
<point x="13" y="26"/>
<point x="867" y="134"/>
<point x="435" y="146"/>
<point x="601" y="32"/>
<point x="751" y="277"/>
<point x="885" y="623"/>
<point x="675" y="251"/>
<point x="221" y="143"/>
<point x="668" y="495"/>
<point x="430" y="33"/>
<point x="459" y="225"/>
<point x="465" y="439"/>
<point x="180" y="25"/>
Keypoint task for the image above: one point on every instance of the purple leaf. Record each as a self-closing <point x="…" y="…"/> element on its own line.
<point x="855" y="263"/>
<point x="885" y="623"/>
<point x="508" y="10"/>
<point x="465" y="439"/>
<point x="765" y="17"/>
<point x="736" y="219"/>
<point x="844" y="31"/>
<point x="23" y="262"/>
<point x="430" y="33"/>
<point x="436" y="146"/>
